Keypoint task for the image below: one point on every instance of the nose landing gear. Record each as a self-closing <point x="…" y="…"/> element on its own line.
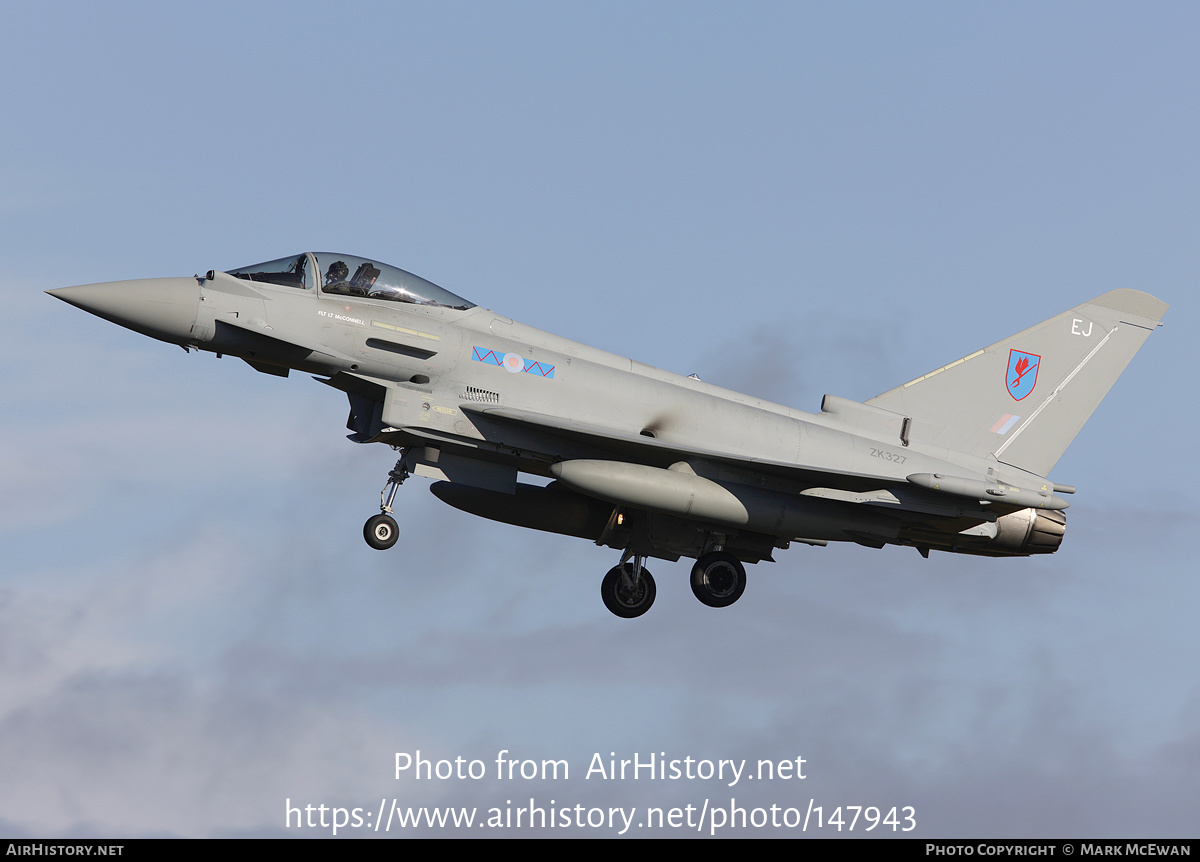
<point x="381" y="531"/>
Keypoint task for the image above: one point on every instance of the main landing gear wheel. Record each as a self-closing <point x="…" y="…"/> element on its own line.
<point x="718" y="579"/>
<point x="624" y="597"/>
<point x="381" y="532"/>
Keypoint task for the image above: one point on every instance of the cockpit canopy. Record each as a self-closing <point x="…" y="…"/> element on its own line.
<point x="346" y="275"/>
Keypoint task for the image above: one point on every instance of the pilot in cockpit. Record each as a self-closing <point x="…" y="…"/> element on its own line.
<point x="336" y="274"/>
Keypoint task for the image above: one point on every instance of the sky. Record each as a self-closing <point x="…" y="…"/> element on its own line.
<point x="787" y="199"/>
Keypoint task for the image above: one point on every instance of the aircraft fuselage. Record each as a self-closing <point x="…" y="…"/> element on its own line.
<point x="644" y="460"/>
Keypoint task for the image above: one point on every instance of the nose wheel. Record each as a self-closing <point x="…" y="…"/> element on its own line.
<point x="381" y="531"/>
<point x="628" y="589"/>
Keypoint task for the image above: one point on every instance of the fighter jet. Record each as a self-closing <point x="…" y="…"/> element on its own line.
<point x="643" y="461"/>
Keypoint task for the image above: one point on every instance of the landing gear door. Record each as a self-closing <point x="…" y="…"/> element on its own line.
<point x="366" y="417"/>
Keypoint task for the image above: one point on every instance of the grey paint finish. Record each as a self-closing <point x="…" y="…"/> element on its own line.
<point x="163" y="308"/>
<point x="648" y="462"/>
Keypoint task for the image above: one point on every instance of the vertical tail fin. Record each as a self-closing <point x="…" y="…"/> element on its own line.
<point x="1025" y="398"/>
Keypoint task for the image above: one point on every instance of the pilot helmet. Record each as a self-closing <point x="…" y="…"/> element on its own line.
<point x="337" y="272"/>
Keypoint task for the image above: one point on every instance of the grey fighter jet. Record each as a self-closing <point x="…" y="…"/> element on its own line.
<point x="646" y="462"/>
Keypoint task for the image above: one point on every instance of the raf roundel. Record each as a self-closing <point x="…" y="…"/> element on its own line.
<point x="513" y="363"/>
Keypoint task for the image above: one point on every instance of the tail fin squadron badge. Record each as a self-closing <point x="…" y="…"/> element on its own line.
<point x="1022" y="373"/>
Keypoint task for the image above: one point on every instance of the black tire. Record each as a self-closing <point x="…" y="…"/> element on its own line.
<point x="381" y="532"/>
<point x="718" y="579"/>
<point x="622" y="601"/>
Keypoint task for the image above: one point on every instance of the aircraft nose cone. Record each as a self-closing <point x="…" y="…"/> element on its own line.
<point x="163" y="308"/>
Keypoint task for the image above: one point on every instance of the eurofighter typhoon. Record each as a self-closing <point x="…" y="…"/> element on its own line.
<point x="643" y="461"/>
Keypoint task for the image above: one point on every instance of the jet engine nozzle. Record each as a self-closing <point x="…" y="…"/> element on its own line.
<point x="163" y="308"/>
<point x="1030" y="531"/>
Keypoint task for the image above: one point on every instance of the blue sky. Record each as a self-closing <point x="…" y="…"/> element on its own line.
<point x="788" y="199"/>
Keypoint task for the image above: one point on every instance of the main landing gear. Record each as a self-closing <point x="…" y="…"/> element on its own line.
<point x="628" y="589"/>
<point x="381" y="531"/>
<point x="718" y="579"/>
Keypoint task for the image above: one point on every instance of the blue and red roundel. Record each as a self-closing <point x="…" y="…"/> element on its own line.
<point x="1022" y="373"/>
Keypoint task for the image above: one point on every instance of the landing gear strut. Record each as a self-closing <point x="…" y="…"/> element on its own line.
<point x="381" y="531"/>
<point x="628" y="589"/>
<point x="718" y="579"/>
